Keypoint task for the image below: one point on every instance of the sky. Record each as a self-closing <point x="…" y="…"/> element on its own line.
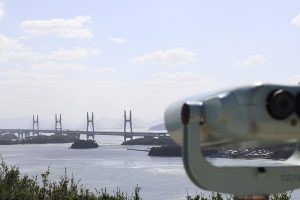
<point x="73" y="57"/>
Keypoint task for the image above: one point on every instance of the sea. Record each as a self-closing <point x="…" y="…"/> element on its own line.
<point x="113" y="167"/>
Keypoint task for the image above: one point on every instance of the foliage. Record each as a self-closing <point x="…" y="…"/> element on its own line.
<point x="13" y="186"/>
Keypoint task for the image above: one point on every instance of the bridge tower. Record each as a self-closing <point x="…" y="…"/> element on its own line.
<point x="58" y="125"/>
<point x="89" y="121"/>
<point x="127" y="120"/>
<point x="35" y="125"/>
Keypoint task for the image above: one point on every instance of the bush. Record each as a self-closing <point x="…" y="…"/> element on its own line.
<point x="13" y="186"/>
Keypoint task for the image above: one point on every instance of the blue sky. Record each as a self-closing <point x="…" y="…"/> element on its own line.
<point x="105" y="56"/>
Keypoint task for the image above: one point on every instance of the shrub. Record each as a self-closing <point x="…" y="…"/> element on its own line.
<point x="13" y="186"/>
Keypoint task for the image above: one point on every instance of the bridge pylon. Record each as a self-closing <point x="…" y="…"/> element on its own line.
<point x="127" y="120"/>
<point x="58" y="125"/>
<point x="35" y="125"/>
<point x="90" y="133"/>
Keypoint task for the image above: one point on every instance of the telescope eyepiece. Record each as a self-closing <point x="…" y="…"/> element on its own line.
<point x="298" y="104"/>
<point x="185" y="114"/>
<point x="281" y="104"/>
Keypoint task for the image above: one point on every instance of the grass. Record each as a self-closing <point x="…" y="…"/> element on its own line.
<point x="14" y="186"/>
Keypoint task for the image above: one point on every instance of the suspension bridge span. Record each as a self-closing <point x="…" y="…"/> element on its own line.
<point x="90" y="132"/>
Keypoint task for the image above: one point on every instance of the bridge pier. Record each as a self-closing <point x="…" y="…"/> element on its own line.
<point x="77" y="135"/>
<point x="21" y="135"/>
<point x="90" y="133"/>
<point x="35" y="125"/>
<point x="129" y="120"/>
<point x="27" y="134"/>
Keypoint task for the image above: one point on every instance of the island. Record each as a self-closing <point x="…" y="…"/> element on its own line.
<point x="39" y="139"/>
<point x="84" y="144"/>
<point x="149" y="140"/>
<point x="169" y="151"/>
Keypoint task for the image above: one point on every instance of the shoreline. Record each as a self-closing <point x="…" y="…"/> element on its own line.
<point x="41" y="139"/>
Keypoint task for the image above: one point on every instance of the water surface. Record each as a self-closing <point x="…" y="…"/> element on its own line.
<point x="111" y="166"/>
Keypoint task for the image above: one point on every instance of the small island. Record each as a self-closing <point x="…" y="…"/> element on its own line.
<point x="84" y="144"/>
<point x="169" y="151"/>
<point x="149" y="140"/>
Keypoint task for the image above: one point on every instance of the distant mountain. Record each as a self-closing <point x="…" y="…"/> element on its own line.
<point x="156" y="122"/>
<point x="158" y="127"/>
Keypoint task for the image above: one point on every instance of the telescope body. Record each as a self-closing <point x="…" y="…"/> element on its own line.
<point x="242" y="114"/>
<point x="260" y="113"/>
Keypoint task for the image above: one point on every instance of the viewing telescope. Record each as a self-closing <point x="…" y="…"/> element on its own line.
<point x="257" y="114"/>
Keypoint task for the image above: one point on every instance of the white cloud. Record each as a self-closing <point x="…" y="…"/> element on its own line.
<point x="107" y="70"/>
<point x="67" y="28"/>
<point x="15" y="75"/>
<point x="76" y="53"/>
<point x="57" y="67"/>
<point x="2" y="11"/>
<point x="11" y="50"/>
<point x="296" y="21"/>
<point x="176" y="80"/>
<point x="14" y="53"/>
<point x="117" y="40"/>
<point x="169" y="57"/>
<point x="252" y="61"/>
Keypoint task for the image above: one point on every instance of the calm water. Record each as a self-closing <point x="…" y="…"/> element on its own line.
<point x="109" y="166"/>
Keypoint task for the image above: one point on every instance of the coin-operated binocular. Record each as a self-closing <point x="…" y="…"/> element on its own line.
<point x="258" y="114"/>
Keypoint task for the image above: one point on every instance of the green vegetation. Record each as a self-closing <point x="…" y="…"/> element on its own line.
<point x="213" y="196"/>
<point x="14" y="186"/>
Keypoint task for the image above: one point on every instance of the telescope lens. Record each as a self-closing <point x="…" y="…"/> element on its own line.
<point x="281" y="104"/>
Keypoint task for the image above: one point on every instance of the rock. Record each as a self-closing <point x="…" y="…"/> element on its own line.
<point x="84" y="144"/>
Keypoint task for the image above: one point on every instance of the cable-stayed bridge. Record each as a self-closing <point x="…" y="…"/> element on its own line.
<point x="89" y="132"/>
